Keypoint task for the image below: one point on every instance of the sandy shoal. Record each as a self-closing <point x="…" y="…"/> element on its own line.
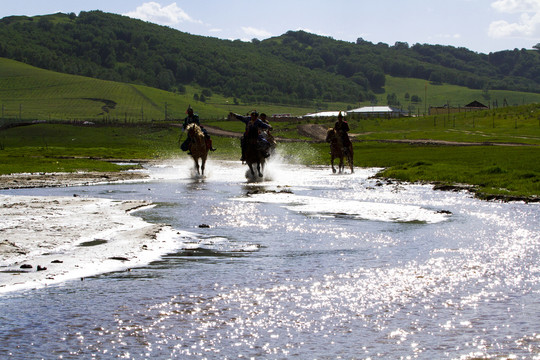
<point x="73" y="237"/>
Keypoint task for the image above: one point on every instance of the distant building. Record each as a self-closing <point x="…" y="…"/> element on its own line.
<point x="378" y="112"/>
<point x="473" y="106"/>
<point x="476" y="105"/>
<point x="326" y="114"/>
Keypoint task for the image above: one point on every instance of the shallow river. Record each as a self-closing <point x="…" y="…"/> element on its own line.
<point x="304" y="264"/>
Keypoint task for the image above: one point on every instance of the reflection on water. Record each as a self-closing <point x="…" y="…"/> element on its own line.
<point x="304" y="264"/>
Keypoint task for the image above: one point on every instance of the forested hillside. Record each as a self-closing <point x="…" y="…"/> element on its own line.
<point x="295" y="68"/>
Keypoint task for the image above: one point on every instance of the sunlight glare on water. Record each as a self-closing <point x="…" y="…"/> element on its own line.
<point x="304" y="264"/>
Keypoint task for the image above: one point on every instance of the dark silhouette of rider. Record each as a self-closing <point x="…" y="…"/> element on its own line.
<point x="253" y="125"/>
<point x="193" y="118"/>
<point x="342" y="129"/>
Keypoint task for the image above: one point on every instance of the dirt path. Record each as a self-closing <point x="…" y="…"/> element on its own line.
<point x="451" y="143"/>
<point x="220" y="132"/>
<point x="314" y="131"/>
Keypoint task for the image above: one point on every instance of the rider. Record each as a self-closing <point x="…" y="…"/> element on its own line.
<point x="194" y="119"/>
<point x="265" y="134"/>
<point x="253" y="125"/>
<point x="342" y="129"/>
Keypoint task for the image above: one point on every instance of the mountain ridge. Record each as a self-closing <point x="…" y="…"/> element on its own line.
<point x="296" y="68"/>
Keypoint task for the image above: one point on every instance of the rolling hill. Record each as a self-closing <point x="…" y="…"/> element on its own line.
<point x="30" y="93"/>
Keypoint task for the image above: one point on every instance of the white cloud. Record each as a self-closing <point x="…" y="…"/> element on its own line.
<point x="164" y="15"/>
<point x="528" y="24"/>
<point x="253" y="32"/>
<point x="516" y="6"/>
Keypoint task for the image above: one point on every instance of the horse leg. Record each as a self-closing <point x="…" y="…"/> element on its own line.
<point x="332" y="162"/>
<point x="259" y="169"/>
<point x="351" y="160"/>
<point x="203" y="164"/>
<point x="251" y="169"/>
<point x="197" y="166"/>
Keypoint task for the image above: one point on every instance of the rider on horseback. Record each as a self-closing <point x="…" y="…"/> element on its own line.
<point x="190" y="119"/>
<point x="342" y="128"/>
<point x="253" y="125"/>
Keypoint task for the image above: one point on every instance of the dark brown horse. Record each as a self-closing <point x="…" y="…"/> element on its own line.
<point x="337" y="150"/>
<point x="197" y="146"/>
<point x="254" y="155"/>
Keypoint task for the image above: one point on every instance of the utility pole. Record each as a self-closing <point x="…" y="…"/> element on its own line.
<point x="425" y="99"/>
<point x="165" y="111"/>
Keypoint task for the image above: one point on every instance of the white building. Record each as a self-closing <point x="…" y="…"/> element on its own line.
<point x="326" y="114"/>
<point x="377" y="111"/>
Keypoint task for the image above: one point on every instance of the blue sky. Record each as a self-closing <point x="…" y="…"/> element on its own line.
<point x="480" y="25"/>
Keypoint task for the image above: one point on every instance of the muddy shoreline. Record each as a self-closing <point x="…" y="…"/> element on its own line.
<point x="33" y="180"/>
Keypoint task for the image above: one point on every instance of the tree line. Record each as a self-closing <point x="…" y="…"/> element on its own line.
<point x="295" y="68"/>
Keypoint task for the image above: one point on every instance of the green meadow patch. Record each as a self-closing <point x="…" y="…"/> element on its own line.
<point x="62" y="147"/>
<point x="495" y="170"/>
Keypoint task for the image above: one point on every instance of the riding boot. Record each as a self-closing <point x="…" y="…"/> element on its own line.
<point x="209" y="144"/>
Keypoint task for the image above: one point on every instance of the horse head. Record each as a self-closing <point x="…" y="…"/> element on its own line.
<point x="193" y="131"/>
<point x="330" y="135"/>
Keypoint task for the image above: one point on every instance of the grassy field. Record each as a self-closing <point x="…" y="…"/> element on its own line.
<point x="439" y="95"/>
<point x="28" y="93"/>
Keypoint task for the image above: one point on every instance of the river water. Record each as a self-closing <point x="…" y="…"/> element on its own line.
<point x="304" y="264"/>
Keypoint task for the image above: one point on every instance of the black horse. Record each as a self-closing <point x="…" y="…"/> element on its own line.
<point x="254" y="155"/>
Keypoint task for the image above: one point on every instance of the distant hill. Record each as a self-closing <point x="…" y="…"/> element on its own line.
<point x="30" y="93"/>
<point x="296" y="68"/>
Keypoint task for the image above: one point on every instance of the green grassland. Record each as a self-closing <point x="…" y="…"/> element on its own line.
<point x="455" y="96"/>
<point x="28" y="93"/>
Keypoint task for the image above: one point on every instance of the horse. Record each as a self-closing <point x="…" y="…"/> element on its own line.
<point x="197" y="146"/>
<point x="254" y="155"/>
<point x="337" y="150"/>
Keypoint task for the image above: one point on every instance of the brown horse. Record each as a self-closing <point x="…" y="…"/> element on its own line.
<point x="337" y="150"/>
<point x="197" y="146"/>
